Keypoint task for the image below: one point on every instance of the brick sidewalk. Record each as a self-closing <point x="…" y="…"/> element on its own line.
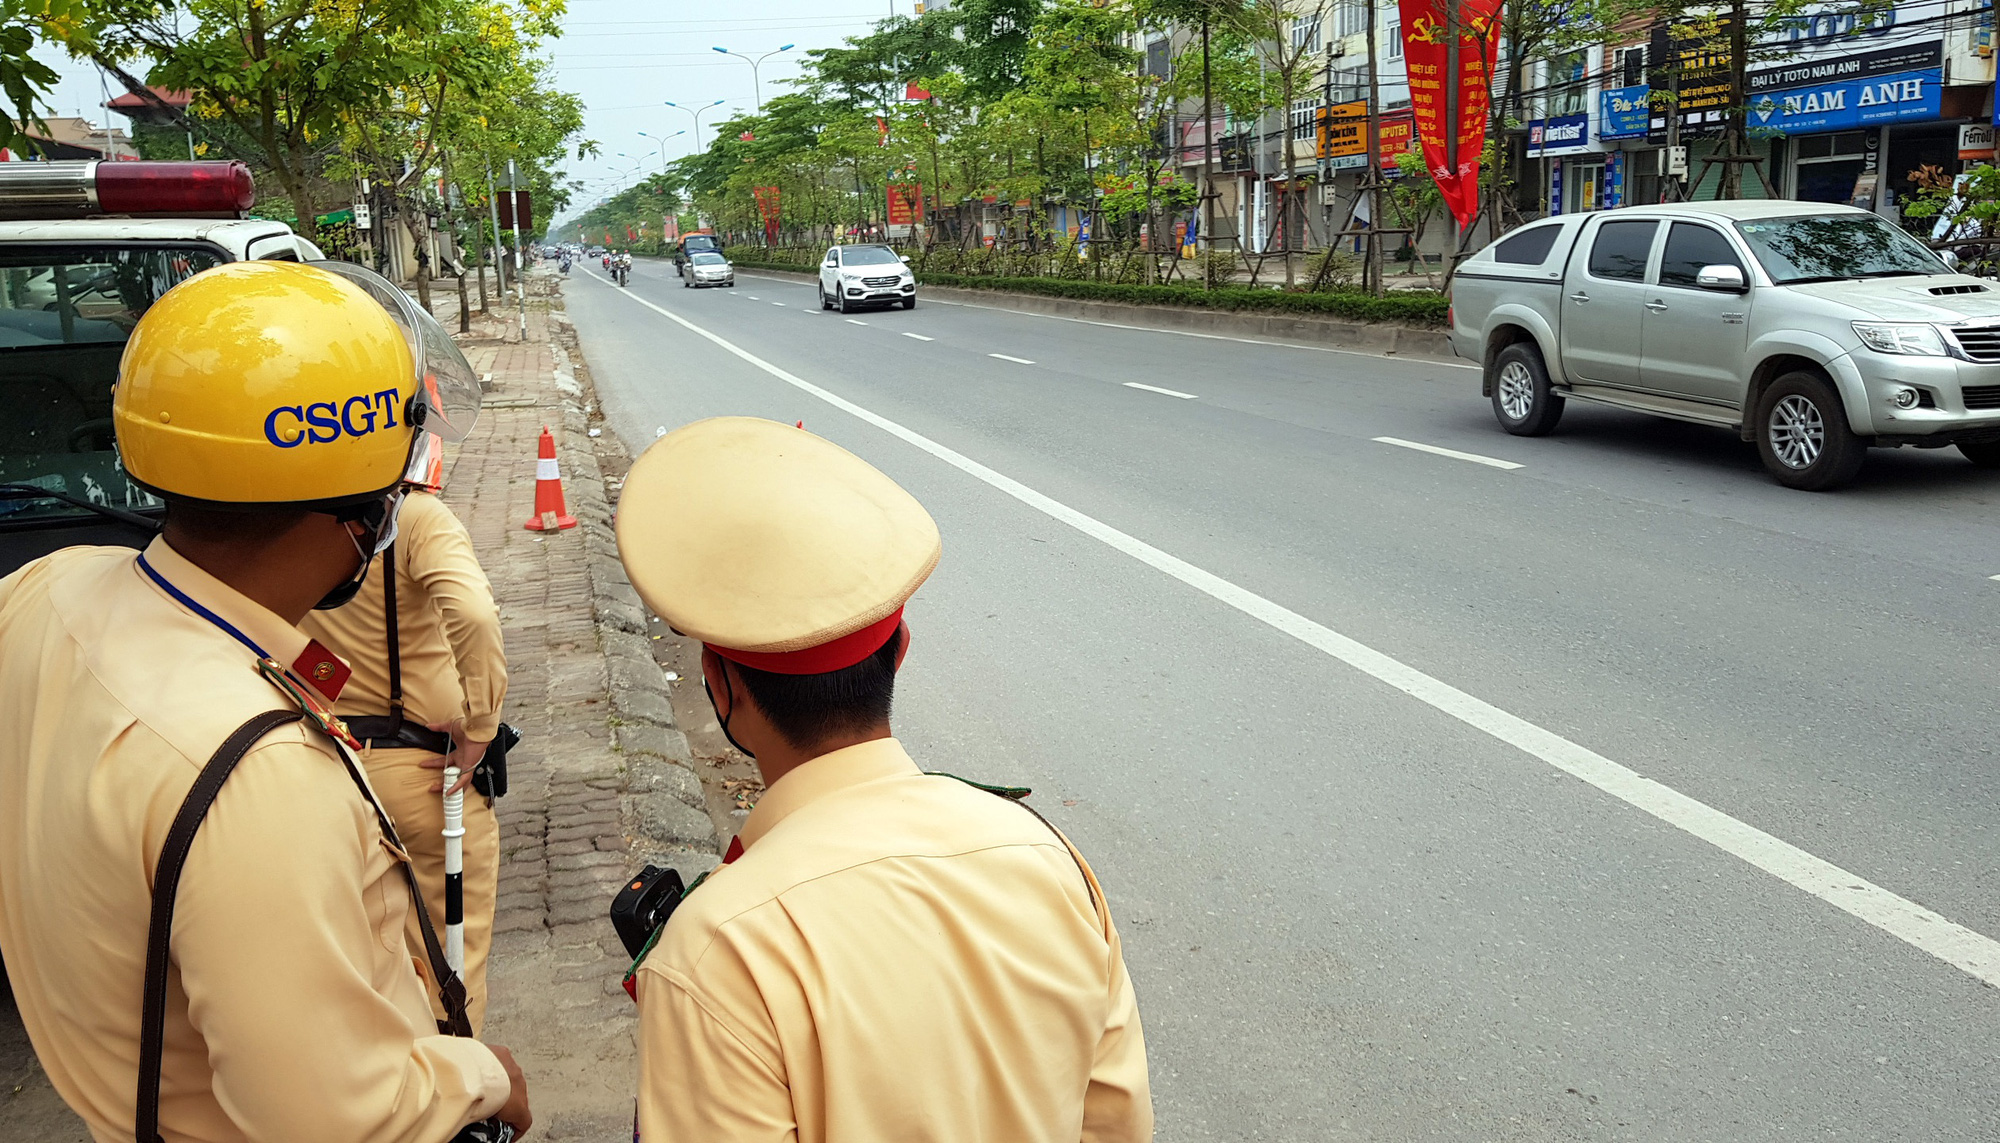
<point x="600" y="782"/>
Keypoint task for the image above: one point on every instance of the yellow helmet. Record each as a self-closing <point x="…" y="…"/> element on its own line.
<point x="285" y="383"/>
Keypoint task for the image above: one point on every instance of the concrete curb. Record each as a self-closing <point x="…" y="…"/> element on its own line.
<point x="1359" y="337"/>
<point x="662" y="806"/>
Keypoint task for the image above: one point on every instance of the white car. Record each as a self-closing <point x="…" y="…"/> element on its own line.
<point x="704" y="268"/>
<point x="855" y="276"/>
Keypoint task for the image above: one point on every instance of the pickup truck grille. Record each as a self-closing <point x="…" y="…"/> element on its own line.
<point x="1982" y="396"/>
<point x="884" y="283"/>
<point x="1980" y="344"/>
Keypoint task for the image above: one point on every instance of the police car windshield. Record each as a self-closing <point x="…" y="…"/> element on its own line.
<point x="65" y="313"/>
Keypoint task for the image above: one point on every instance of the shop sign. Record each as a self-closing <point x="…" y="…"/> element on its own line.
<point x="1859" y="65"/>
<point x="1555" y="188"/>
<point x="1343" y="133"/>
<point x="1699" y="51"/>
<point x="1622" y="111"/>
<point x="1563" y="135"/>
<point x="1399" y="136"/>
<point x="1905" y="97"/>
<point x="1614" y="180"/>
<point x="1975" y="141"/>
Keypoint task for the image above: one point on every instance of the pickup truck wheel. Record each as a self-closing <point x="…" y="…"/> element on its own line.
<point x="1802" y="434"/>
<point x="1985" y="454"/>
<point x="1523" y="402"/>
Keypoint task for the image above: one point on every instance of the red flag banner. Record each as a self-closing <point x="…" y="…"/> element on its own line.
<point x="906" y="201"/>
<point x="1425" y="53"/>
<point x="881" y="131"/>
<point x="767" y="209"/>
<point x="670" y="228"/>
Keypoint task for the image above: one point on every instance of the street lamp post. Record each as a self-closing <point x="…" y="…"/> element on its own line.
<point x="697" y="112"/>
<point x="661" y="140"/>
<point x="756" y="81"/>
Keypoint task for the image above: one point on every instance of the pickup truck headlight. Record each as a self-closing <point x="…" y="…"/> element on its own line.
<point x="1906" y="337"/>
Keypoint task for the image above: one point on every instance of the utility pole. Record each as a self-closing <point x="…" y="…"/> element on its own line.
<point x="520" y="242"/>
<point x="1207" y="244"/>
<point x="1738" y="148"/>
<point x="499" y="259"/>
<point x="1371" y="266"/>
<point x="1451" y="37"/>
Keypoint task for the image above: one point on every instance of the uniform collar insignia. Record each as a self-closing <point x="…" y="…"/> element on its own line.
<point x="309" y="704"/>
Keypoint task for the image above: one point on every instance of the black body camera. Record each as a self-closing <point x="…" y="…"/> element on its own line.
<point x="490" y="776"/>
<point x="485" y="1131"/>
<point x="644" y="904"/>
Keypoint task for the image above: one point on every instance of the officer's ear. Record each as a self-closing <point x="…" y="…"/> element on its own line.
<point x="720" y="694"/>
<point x="902" y="643"/>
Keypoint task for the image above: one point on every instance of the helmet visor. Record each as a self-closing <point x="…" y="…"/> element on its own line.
<point x="447" y="388"/>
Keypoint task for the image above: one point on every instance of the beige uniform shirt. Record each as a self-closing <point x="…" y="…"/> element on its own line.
<point x="895" y="958"/>
<point x="454" y="663"/>
<point x="294" y="1011"/>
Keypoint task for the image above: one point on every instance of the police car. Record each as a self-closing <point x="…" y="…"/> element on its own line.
<point x="85" y="248"/>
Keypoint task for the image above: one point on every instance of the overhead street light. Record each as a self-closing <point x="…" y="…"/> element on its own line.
<point x="662" y="141"/>
<point x="756" y="81"/>
<point x="697" y="112"/>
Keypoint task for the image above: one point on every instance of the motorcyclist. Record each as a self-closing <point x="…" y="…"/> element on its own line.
<point x="624" y="266"/>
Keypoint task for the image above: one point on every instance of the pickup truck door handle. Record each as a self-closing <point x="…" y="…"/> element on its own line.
<point x="1656" y="305"/>
<point x="1579" y="296"/>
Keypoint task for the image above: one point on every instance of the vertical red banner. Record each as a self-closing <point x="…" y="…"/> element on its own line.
<point x="1426" y="54"/>
<point x="767" y="209"/>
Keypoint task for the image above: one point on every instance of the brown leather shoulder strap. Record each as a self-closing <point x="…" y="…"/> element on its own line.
<point x="395" y="640"/>
<point x="159" y="928"/>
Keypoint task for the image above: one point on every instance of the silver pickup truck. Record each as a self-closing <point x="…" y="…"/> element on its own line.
<point x="1815" y="331"/>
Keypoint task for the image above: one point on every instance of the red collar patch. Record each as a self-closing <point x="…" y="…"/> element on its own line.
<point x="323" y="669"/>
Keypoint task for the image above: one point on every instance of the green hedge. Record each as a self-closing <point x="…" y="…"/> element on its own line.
<point x="1426" y="310"/>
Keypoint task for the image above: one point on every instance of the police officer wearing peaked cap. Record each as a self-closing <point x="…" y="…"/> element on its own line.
<point x="288" y="1007"/>
<point x="887" y="956"/>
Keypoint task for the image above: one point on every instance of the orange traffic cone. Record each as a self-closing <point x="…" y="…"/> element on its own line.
<point x="550" y="513"/>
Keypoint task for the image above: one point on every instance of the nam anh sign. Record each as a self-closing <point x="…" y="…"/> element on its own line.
<point x="1563" y="135"/>
<point x="1902" y="97"/>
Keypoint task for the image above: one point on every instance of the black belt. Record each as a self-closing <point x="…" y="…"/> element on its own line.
<point x="386" y="732"/>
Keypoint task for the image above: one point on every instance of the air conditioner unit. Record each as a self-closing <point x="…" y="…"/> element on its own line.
<point x="1336" y="49"/>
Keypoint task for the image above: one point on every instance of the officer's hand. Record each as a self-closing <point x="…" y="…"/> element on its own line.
<point x="515" y="1111"/>
<point x="465" y="754"/>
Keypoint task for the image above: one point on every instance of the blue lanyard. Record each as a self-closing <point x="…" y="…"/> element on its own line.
<point x="198" y="609"/>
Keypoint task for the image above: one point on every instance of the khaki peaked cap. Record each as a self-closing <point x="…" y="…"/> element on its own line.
<point x="760" y="538"/>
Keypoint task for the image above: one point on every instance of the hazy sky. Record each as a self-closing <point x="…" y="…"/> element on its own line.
<point x="625" y="58"/>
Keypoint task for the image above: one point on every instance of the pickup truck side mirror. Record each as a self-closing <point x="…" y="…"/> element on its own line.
<point x="1727" y="279"/>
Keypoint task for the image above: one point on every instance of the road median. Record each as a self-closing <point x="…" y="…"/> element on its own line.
<point x="1386" y="338"/>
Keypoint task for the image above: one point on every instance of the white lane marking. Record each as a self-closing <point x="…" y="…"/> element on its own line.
<point x="1437" y="362"/>
<point x="1973" y="953"/>
<point x="1157" y="389"/>
<point x="1991" y="577"/>
<point x="1450" y="452"/>
<point x="753" y="298"/>
<point x="851" y="321"/>
<point x="777" y="303"/>
<point x="1015" y="360"/>
<point x="921" y="337"/>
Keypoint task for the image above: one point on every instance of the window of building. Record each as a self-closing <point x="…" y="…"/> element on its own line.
<point x="1350" y="18"/>
<point x="1584" y="187"/>
<point x="1305" y="119"/>
<point x="1305" y="33"/>
<point x="1565" y="83"/>
<point x="1628" y="65"/>
<point x="1160" y="58"/>
<point x="1393" y="49"/>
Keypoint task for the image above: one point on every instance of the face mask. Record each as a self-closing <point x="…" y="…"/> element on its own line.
<point x="730" y="690"/>
<point x="385" y="515"/>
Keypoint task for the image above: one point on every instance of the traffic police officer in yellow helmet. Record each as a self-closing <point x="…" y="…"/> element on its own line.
<point x="201" y="905"/>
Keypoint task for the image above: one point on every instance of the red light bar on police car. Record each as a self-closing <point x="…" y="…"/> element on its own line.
<point x="91" y="188"/>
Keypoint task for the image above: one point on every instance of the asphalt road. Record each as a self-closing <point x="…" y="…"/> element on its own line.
<point x="1435" y="800"/>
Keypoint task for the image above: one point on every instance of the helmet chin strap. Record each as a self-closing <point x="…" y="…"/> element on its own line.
<point x="387" y="511"/>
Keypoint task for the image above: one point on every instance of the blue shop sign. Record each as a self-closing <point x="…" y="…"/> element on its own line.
<point x="1622" y="112"/>
<point x="1904" y="97"/>
<point x="1563" y="135"/>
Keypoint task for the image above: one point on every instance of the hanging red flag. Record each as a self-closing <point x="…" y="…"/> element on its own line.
<point x="881" y="131"/>
<point x="747" y="137"/>
<point x="1426" y="55"/>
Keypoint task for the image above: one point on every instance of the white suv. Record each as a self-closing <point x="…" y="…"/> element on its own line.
<point x="853" y="276"/>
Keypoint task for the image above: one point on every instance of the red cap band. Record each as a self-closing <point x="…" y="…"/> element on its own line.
<point x="842" y="652"/>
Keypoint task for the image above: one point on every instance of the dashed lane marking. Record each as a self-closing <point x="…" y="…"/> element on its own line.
<point x="1163" y="392"/>
<point x="921" y="337"/>
<point x="1015" y="360"/>
<point x="1453" y="453"/>
<point x="1965" y="949"/>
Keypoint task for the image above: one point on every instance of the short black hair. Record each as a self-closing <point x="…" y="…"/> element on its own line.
<point x="230" y="525"/>
<point x="809" y="709"/>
